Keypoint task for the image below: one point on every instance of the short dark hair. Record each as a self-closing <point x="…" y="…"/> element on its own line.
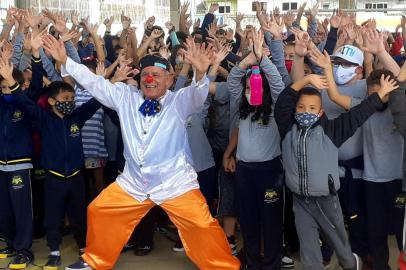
<point x="375" y="76"/>
<point x="221" y="32"/>
<point x="148" y="32"/>
<point x="55" y="88"/>
<point x="118" y="47"/>
<point x="309" y="91"/>
<point x="197" y="32"/>
<point x="90" y="64"/>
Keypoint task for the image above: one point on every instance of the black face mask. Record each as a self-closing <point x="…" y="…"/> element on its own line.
<point x="65" y="107"/>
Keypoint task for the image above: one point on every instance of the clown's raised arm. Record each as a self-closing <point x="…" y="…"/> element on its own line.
<point x="109" y="94"/>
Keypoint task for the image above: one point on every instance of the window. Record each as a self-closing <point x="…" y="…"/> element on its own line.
<point x="263" y="6"/>
<point x="224" y="9"/>
<point x="376" y="5"/>
<point x="289" y="6"/>
<point x="326" y="6"/>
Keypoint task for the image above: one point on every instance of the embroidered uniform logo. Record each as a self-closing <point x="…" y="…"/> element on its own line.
<point x="17" y="182"/>
<point x="17" y="116"/>
<point x="400" y="201"/>
<point x="74" y="130"/>
<point x="261" y="124"/>
<point x="271" y="196"/>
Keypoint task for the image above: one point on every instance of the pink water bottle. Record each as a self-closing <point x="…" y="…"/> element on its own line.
<point x="256" y="86"/>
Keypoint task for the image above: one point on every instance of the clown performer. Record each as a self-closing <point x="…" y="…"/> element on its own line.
<point x="158" y="166"/>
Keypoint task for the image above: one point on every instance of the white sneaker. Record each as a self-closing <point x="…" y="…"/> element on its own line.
<point x="287" y="262"/>
<point x="358" y="263"/>
<point x="79" y="265"/>
<point x="178" y="247"/>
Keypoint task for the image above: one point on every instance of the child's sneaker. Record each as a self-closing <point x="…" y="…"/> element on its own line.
<point x="287" y="262"/>
<point x="233" y="245"/>
<point x="143" y="251"/>
<point x="21" y="261"/>
<point x="79" y="265"/>
<point x="53" y="262"/>
<point x="402" y="263"/>
<point x="178" y="247"/>
<point x="358" y="263"/>
<point x="7" y="252"/>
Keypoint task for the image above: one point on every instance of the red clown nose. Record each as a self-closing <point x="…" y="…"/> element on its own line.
<point x="149" y="79"/>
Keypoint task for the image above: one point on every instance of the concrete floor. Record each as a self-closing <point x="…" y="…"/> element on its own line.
<point x="161" y="258"/>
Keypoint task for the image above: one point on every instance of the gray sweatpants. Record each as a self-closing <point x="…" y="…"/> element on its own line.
<point x="323" y="215"/>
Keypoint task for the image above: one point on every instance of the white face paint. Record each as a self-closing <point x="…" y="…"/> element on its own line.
<point x="343" y="75"/>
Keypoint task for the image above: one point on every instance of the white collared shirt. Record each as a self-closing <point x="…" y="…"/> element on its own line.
<point x="156" y="148"/>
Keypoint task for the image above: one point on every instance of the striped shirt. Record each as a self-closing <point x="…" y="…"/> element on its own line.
<point x="92" y="131"/>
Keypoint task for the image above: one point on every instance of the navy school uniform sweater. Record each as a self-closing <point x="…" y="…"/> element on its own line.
<point x="62" y="147"/>
<point x="15" y="126"/>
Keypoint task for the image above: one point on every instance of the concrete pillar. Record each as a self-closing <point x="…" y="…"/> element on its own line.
<point x="174" y="12"/>
<point x="22" y="3"/>
<point x="347" y="4"/>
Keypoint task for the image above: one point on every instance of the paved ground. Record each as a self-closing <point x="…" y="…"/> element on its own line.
<point x="161" y="258"/>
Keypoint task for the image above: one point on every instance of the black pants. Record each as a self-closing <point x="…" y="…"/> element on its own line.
<point x="291" y="239"/>
<point x="218" y="164"/>
<point x="16" y="209"/>
<point x="65" y="195"/>
<point x="260" y="210"/>
<point x="208" y="182"/>
<point x="143" y="234"/>
<point x="385" y="213"/>
<point x="38" y="202"/>
<point x="352" y="199"/>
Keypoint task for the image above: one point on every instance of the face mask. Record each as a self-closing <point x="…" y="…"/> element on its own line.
<point x="306" y="119"/>
<point x="65" y="107"/>
<point x="343" y="75"/>
<point x="9" y="98"/>
<point x="177" y="61"/>
<point x="289" y="64"/>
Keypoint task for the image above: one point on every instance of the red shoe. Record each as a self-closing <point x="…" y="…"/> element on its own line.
<point x="402" y="262"/>
<point x="367" y="263"/>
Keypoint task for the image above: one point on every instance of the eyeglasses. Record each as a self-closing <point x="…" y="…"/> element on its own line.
<point x="344" y="64"/>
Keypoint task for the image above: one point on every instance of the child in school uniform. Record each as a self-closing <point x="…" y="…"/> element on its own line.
<point x="310" y="145"/>
<point x="61" y="156"/>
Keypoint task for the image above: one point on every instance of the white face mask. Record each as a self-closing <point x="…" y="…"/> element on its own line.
<point x="343" y="75"/>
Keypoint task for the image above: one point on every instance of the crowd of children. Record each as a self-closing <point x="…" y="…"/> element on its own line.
<point x="293" y="131"/>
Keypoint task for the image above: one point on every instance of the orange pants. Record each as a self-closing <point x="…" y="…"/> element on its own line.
<point x="114" y="214"/>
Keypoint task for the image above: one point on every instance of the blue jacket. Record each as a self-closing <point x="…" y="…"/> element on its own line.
<point x="61" y="149"/>
<point x="15" y="135"/>
<point x="15" y="126"/>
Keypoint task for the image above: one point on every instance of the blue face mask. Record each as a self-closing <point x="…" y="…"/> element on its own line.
<point x="306" y="119"/>
<point x="9" y="98"/>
